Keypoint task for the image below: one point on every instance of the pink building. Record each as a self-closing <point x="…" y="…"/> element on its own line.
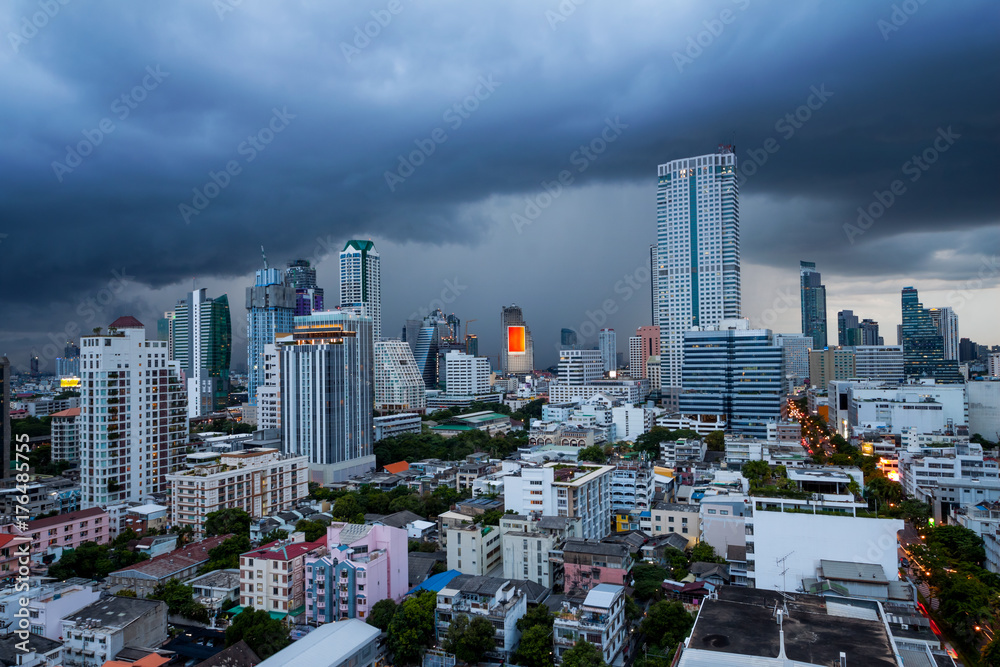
<point x="587" y="564"/>
<point x="67" y="531"/>
<point x="650" y="346"/>
<point x="361" y="565"/>
<point x="10" y="554"/>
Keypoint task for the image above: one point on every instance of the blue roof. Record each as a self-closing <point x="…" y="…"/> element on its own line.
<point x="436" y="582"/>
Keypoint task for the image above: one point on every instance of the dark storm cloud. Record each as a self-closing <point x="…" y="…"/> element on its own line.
<point x="682" y="77"/>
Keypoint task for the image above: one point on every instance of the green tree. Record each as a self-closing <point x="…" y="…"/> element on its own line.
<point x="703" y="552"/>
<point x="666" y="624"/>
<point x="991" y="653"/>
<point x="226" y="556"/>
<point x="756" y="471"/>
<point x="231" y="520"/>
<point x="346" y="507"/>
<point x="93" y="561"/>
<point x="180" y="601"/>
<point x="274" y="536"/>
<point x="126" y="593"/>
<point x="716" y="441"/>
<point x="265" y="635"/>
<point x="583" y="654"/>
<point x="958" y="543"/>
<point x="313" y="529"/>
<point x="536" y="615"/>
<point x="633" y="611"/>
<point x="382" y="614"/>
<point x="412" y="628"/>
<point x="469" y="640"/>
<point x="594" y="453"/>
<point x="648" y="580"/>
<point x="535" y="649"/>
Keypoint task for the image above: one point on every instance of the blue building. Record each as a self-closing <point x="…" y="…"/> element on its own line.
<point x="271" y="310"/>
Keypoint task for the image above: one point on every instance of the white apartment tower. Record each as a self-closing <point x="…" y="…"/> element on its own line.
<point x="698" y="242"/>
<point x="399" y="386"/>
<point x="465" y="374"/>
<point x="133" y="425"/>
<point x="361" y="281"/>
<point x="266" y="397"/>
<point x="578" y="367"/>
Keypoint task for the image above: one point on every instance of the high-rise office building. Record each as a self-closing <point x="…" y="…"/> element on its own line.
<point x="923" y="344"/>
<point x="432" y="337"/>
<point x="813" y="294"/>
<point x="361" y="281"/>
<point x="967" y="350"/>
<point x="67" y="367"/>
<point x="567" y="339"/>
<point x="301" y="276"/>
<point x="455" y="325"/>
<point x="328" y="393"/>
<point x="829" y="364"/>
<point x="733" y="372"/>
<point x="203" y="339"/>
<point x="607" y="343"/>
<point x="946" y="322"/>
<point x="472" y="344"/>
<point x="795" y="354"/>
<point x="34" y="370"/>
<point x="642" y="346"/>
<point x="399" y="387"/>
<point x="881" y="363"/>
<point x="516" y="352"/>
<point x="578" y="367"/>
<point x="5" y="416"/>
<point x="271" y="308"/>
<point x="848" y="328"/>
<point x="869" y="333"/>
<point x="698" y="252"/>
<point x="133" y="425"/>
<point x="465" y="375"/>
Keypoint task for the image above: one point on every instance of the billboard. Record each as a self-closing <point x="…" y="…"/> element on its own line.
<point x="515" y="341"/>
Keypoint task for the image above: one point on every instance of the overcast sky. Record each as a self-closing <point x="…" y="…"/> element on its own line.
<point x="148" y="147"/>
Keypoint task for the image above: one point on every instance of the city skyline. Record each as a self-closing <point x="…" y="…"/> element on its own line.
<point x="820" y="144"/>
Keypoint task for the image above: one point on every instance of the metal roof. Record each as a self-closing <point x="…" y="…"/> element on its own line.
<point x="602" y="596"/>
<point x="848" y="571"/>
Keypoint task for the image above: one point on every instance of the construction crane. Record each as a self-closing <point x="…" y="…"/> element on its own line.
<point x="467" y="327"/>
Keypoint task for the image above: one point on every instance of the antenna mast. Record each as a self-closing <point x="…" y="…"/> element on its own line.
<point x="264" y="256"/>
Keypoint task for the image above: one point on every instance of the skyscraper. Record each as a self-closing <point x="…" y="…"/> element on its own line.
<point x="567" y="339"/>
<point x="327" y="394"/>
<point x="946" y="322"/>
<point x="813" y="294"/>
<point x="795" y="354"/>
<point x="848" y="329"/>
<point x="734" y="372"/>
<point x="516" y="352"/>
<point x="923" y="344"/>
<point x="302" y="278"/>
<point x="869" y="333"/>
<point x="399" y="387"/>
<point x="654" y="298"/>
<point x="133" y="425"/>
<point x="203" y="339"/>
<point x="165" y="331"/>
<point x="607" y="343"/>
<point x="361" y="281"/>
<point x="472" y="344"/>
<point x="271" y="308"/>
<point x="698" y="252"/>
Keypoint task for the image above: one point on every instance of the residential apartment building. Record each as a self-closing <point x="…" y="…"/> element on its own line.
<point x="399" y="386"/>
<point x="600" y="620"/>
<point x="268" y="406"/>
<point x="97" y="633"/>
<point x="680" y="518"/>
<point x="495" y="599"/>
<point x="631" y="422"/>
<point x="388" y="426"/>
<point x="574" y="491"/>
<point x="258" y="481"/>
<point x="327" y="394"/>
<point x="795" y="355"/>
<point x="466" y="375"/>
<point x="133" y="425"/>
<point x="529" y="542"/>
<point x="831" y="364"/>
<point x="631" y="486"/>
<point x="202" y="344"/>
<point x="359" y="566"/>
<point x="587" y="564"/>
<point x="47" y="603"/>
<point x="626" y="390"/>
<point x="272" y="577"/>
<point x="678" y="452"/>
<point x="67" y="531"/>
<point x="65" y="438"/>
<point x="939" y="466"/>
<point x="607" y="344"/>
<point x="580" y="366"/>
<point x="698" y="251"/>
<point x="361" y="281"/>
<point x="474" y="549"/>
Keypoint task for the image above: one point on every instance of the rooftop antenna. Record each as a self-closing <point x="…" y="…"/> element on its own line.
<point x="780" y="562"/>
<point x="264" y="256"/>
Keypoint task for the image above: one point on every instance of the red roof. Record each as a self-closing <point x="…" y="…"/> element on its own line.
<point x="288" y="552"/>
<point x="126" y="322"/>
<point x="72" y="412"/>
<point x="179" y="559"/>
<point x="7" y="538"/>
<point x="398" y="467"/>
<point x="38" y="524"/>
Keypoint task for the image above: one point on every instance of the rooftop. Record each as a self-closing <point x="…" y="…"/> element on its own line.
<point x="172" y="562"/>
<point x="602" y="596"/>
<point x="741" y="623"/>
<point x="72" y="412"/>
<point x="848" y="571"/>
<point x="113" y="612"/>
<point x="329" y="644"/>
<point x="39" y="524"/>
<point x="9" y="655"/>
<point x="277" y="550"/>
